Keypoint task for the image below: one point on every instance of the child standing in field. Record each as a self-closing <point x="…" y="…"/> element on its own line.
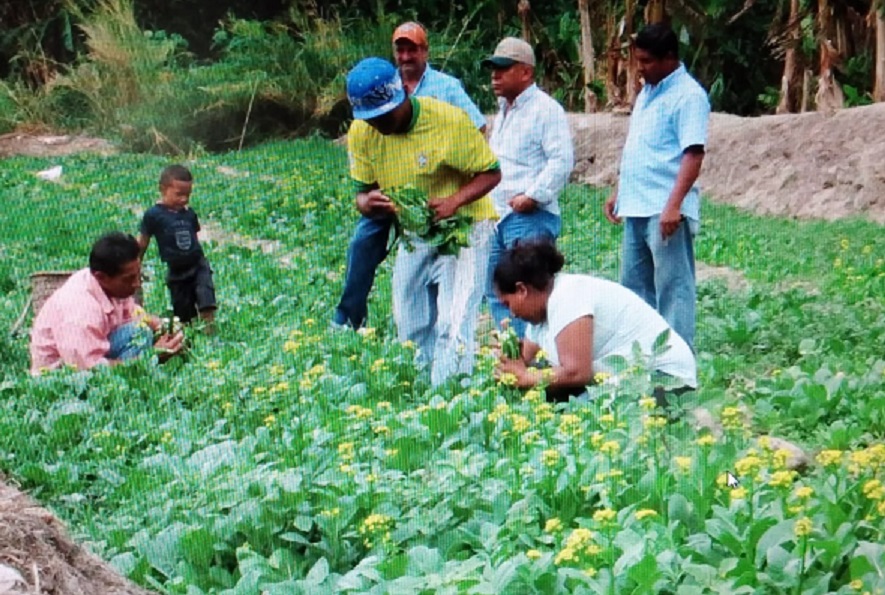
<point x="175" y="225"/>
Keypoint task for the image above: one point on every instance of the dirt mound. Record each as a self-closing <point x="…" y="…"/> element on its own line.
<point x="38" y="558"/>
<point x="37" y="145"/>
<point x="804" y="165"/>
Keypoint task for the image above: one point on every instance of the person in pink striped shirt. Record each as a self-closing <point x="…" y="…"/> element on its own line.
<point x="93" y="319"/>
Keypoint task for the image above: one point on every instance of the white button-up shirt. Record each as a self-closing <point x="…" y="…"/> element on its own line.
<point x="533" y="143"/>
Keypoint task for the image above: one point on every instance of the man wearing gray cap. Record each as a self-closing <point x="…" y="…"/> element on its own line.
<point x="531" y="138"/>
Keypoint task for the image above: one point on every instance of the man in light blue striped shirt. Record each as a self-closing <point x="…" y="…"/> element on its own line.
<point x="657" y="195"/>
<point x="531" y="138"/>
<point x="368" y="247"/>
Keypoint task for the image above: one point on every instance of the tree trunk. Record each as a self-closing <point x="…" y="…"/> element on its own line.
<point x="523" y="9"/>
<point x="588" y="56"/>
<point x="633" y="83"/>
<point x="786" y="103"/>
<point x="614" y="97"/>
<point x="655" y="12"/>
<point x="879" y="85"/>
<point x="829" y="94"/>
<point x="806" y="90"/>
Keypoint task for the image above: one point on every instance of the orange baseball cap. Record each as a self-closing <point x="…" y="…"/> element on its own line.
<point x="413" y="32"/>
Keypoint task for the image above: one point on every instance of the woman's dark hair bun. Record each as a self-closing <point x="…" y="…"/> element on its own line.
<point x="533" y="262"/>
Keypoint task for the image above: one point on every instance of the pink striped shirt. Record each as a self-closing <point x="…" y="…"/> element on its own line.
<point x="74" y="324"/>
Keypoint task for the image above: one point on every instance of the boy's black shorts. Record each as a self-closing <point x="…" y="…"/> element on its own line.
<point x="191" y="290"/>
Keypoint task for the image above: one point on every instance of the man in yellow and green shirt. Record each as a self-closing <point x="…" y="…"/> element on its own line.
<point x="394" y="141"/>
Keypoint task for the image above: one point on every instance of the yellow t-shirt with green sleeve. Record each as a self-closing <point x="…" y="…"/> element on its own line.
<point x="441" y="151"/>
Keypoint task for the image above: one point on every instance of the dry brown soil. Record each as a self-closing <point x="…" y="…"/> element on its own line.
<point x="809" y="165"/>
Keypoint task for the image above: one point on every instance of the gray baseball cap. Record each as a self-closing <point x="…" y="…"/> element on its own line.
<point x="510" y="51"/>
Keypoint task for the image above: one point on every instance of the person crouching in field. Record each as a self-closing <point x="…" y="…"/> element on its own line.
<point x="579" y="321"/>
<point x="175" y="225"/>
<point x="93" y="319"/>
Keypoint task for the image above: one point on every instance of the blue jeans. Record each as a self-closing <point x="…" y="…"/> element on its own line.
<point x="661" y="272"/>
<point x="512" y="228"/>
<point x="129" y="341"/>
<point x="368" y="249"/>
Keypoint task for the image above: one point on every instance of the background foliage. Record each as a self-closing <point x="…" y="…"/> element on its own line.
<point x="223" y="73"/>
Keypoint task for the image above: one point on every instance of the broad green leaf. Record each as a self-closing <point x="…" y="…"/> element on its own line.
<point x="774" y="536"/>
<point x="318" y="573"/>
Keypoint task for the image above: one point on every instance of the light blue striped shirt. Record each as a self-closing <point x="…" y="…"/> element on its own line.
<point x="447" y="88"/>
<point x="667" y="119"/>
<point x="534" y="146"/>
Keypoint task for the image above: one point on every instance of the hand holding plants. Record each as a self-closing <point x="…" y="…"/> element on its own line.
<point x="374" y="203"/>
<point x="168" y="345"/>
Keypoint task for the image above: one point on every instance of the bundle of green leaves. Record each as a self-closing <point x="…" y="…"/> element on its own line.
<point x="415" y="218"/>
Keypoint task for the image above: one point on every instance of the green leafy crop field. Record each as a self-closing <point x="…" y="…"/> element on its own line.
<point x="283" y="457"/>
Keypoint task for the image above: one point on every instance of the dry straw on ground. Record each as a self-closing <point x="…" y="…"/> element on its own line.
<point x="34" y="544"/>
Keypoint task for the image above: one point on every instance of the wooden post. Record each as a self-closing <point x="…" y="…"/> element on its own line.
<point x="588" y="56"/>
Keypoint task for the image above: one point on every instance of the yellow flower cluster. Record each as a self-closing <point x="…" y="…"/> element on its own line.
<point x="607" y="419"/>
<point x="279" y="387"/>
<point x="647" y="403"/>
<point x="683" y="464"/>
<point x="869" y="459"/>
<point x="532" y="396"/>
<point x="706" y="440"/>
<point x="359" y="412"/>
<point x="610" y="448"/>
<point x="874" y="490"/>
<point x="829" y="458"/>
<point x="601" y="377"/>
<point x="739" y="493"/>
<point x="543" y="411"/>
<point x="578" y="544"/>
<point x="604" y="516"/>
<point x="550" y="457"/>
<point x="374" y="526"/>
<point x="782" y="479"/>
<point x="367" y="333"/>
<point x="570" y="425"/>
<point x="804" y="492"/>
<point x="803" y="527"/>
<point x="654" y="421"/>
<point x="520" y="423"/>
<point x="553" y="525"/>
<point x="345" y="451"/>
<point x="330" y="512"/>
<point x="645" y="513"/>
<point x="748" y="466"/>
<point x="508" y="379"/>
<point x="500" y="410"/>
<point x="732" y="418"/>
<point x="533" y="554"/>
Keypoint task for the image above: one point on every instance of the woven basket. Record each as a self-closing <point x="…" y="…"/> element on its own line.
<point x="44" y="284"/>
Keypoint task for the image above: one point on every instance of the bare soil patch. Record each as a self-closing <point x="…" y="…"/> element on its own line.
<point x="38" y="558"/>
<point x="812" y="165"/>
<point x="43" y="145"/>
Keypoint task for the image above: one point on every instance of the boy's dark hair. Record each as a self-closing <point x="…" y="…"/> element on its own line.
<point x="112" y="251"/>
<point x="659" y="40"/>
<point x="174" y="173"/>
<point x="534" y="263"/>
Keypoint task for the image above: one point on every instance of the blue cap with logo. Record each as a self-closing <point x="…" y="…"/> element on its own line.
<point x="374" y="88"/>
